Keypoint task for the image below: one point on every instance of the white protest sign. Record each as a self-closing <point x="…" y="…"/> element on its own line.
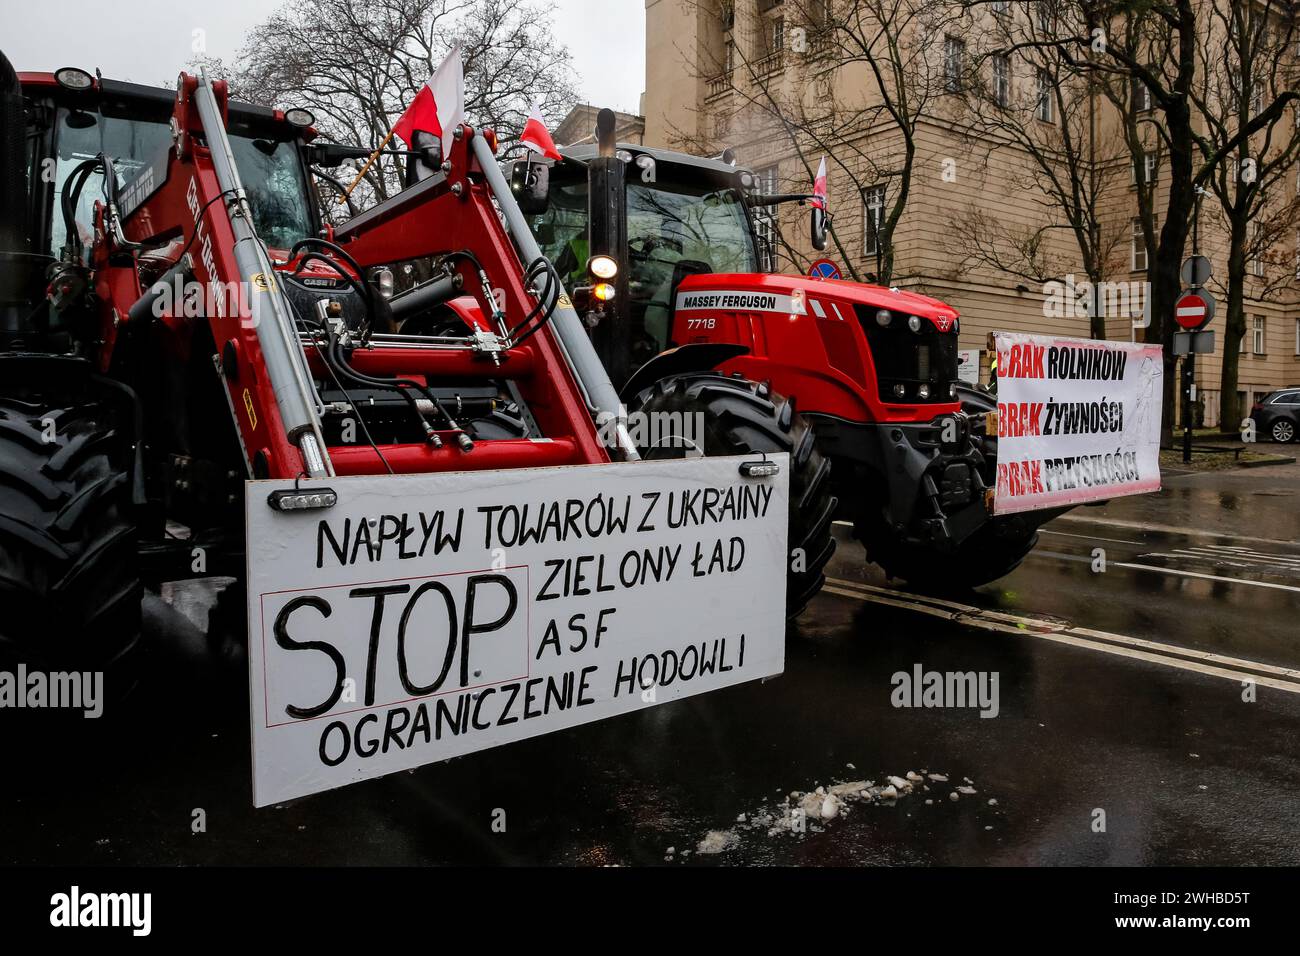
<point x="1078" y="420"/>
<point x="427" y="616"/>
<point x="968" y="366"/>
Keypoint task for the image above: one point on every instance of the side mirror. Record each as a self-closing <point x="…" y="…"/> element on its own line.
<point x="531" y="183"/>
<point x="329" y="155"/>
<point x="819" y="221"/>
<point x="427" y="160"/>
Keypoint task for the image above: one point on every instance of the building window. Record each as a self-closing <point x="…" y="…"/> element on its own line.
<point x="1297" y="336"/>
<point x="1256" y="262"/>
<point x="1140" y="94"/>
<point x="954" y="63"/>
<point x="1138" y="253"/>
<point x="765" y="221"/>
<point x="1001" y="7"/>
<point x="1046" y="104"/>
<point x="1002" y="80"/>
<point x="1250" y="87"/>
<point x="1258" y="337"/>
<point x="774" y="35"/>
<point x="1146" y="168"/>
<point x="729" y="56"/>
<point x="873" y="199"/>
<point x="1046" y="16"/>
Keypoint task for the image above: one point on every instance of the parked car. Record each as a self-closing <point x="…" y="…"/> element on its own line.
<point x="1277" y="415"/>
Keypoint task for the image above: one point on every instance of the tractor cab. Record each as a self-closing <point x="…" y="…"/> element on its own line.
<point x="685" y="216"/>
<point x="73" y="117"/>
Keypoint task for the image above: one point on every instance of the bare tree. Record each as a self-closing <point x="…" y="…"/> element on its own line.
<point x="851" y="80"/>
<point x="1028" y="99"/>
<point x="1150" y="49"/>
<point x="1246" y="62"/>
<point x="357" y="64"/>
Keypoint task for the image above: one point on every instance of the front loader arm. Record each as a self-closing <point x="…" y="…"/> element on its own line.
<point x="194" y="202"/>
<point x="462" y="207"/>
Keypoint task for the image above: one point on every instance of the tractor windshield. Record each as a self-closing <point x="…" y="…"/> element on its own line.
<point x="271" y="171"/>
<point x="673" y="229"/>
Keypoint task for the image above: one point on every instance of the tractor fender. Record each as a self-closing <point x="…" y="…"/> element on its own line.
<point x="693" y="357"/>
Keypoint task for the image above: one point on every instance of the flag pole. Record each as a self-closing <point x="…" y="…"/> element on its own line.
<point x="378" y="149"/>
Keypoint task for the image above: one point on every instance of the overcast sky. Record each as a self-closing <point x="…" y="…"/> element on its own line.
<point x="148" y="41"/>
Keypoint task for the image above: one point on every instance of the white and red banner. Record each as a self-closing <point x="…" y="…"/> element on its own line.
<point x="537" y="137"/>
<point x="439" y="106"/>
<point x="1078" y="420"/>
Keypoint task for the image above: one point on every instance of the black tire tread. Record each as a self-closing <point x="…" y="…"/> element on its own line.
<point x="69" y="576"/>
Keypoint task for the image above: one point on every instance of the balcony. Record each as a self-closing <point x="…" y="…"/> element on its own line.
<point x="821" y="43"/>
<point x="769" y="63"/>
<point x="717" y="86"/>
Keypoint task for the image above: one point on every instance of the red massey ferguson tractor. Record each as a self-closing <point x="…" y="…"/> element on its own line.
<point x="874" y="370"/>
<point x="133" y="408"/>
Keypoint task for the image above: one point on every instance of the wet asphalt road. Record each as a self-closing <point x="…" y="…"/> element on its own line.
<point x="1155" y="735"/>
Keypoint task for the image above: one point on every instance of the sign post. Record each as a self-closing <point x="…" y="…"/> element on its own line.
<point x="1193" y="311"/>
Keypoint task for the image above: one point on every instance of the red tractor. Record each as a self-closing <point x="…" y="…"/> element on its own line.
<point x="175" y="319"/>
<point x="874" y="370"/>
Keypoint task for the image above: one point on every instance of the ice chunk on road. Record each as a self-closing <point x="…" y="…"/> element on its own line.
<point x="717" y="841"/>
<point x="830" y="807"/>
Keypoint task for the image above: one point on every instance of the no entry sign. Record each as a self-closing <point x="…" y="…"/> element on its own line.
<point x="1193" y="310"/>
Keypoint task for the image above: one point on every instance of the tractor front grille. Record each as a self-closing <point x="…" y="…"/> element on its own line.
<point x="911" y="367"/>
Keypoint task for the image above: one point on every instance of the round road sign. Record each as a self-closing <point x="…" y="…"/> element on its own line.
<point x="1196" y="271"/>
<point x="824" y="269"/>
<point x="1193" y="310"/>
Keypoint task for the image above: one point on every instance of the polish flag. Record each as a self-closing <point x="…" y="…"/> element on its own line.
<point x="819" y="187"/>
<point x="537" y="137"/>
<point x="439" y="106"/>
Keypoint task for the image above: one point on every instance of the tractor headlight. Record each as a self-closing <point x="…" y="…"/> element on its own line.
<point x="299" y="117"/>
<point x="883" y="318"/>
<point x="952" y="389"/>
<point x="602" y="267"/>
<point x="914" y="323"/>
<point x="603" y="291"/>
<point x="900" y="390"/>
<point x="71" y="78"/>
<point x="923" y="391"/>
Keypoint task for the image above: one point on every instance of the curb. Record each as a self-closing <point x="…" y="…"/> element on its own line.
<point x="1266" y="462"/>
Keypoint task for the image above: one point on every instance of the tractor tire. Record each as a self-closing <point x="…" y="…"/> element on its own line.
<point x="992" y="552"/>
<point x="988" y="554"/>
<point x="69" y="574"/>
<point x="743" y="418"/>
